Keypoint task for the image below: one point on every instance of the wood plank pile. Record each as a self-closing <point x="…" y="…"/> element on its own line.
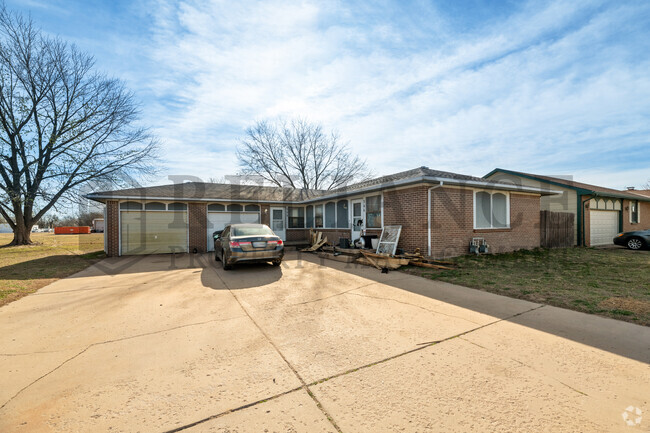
<point x="319" y="244"/>
<point x="316" y="241"/>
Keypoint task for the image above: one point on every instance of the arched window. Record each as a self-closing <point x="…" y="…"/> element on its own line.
<point x="131" y="205"/>
<point x="177" y="206"/>
<point x="491" y="210"/>
<point x="216" y="208"/>
<point x="155" y="205"/>
<point x="342" y="214"/>
<point x="235" y="208"/>
<point x="330" y="215"/>
<point x="252" y="208"/>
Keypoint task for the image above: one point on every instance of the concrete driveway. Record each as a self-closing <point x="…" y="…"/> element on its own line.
<point x="161" y="344"/>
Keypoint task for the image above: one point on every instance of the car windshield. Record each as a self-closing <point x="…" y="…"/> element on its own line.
<point x="251" y="231"/>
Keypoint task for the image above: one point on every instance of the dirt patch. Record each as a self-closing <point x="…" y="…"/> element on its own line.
<point x="636" y="306"/>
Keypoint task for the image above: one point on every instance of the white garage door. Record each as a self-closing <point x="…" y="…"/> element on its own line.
<point x="153" y="232"/>
<point x="219" y="220"/>
<point x="603" y="226"/>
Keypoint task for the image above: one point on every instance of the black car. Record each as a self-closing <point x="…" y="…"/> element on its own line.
<point x="634" y="240"/>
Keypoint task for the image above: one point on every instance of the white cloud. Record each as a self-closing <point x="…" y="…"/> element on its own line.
<point x="553" y="88"/>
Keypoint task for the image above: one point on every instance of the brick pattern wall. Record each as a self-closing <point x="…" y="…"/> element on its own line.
<point x="302" y="235"/>
<point x="112" y="228"/>
<point x="453" y="221"/>
<point x="644" y="217"/>
<point x="408" y="208"/>
<point x="197" y="215"/>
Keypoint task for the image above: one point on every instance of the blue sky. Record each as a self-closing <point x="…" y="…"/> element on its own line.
<point x="464" y="86"/>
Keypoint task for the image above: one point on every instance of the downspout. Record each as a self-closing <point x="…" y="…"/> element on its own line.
<point x="429" y="215"/>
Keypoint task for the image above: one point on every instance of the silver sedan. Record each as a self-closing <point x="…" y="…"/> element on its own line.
<point x="247" y="243"/>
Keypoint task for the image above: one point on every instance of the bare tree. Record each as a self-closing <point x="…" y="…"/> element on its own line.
<point x="61" y="124"/>
<point x="299" y="154"/>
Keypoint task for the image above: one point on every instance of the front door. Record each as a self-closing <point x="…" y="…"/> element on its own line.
<point x="358" y="224"/>
<point x="277" y="222"/>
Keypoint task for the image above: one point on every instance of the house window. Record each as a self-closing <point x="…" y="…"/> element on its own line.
<point x="491" y="210"/>
<point x="330" y="215"/>
<point x="252" y="208"/>
<point x="342" y="214"/>
<point x="318" y="216"/>
<point x="177" y="206"/>
<point x="216" y="208"/>
<point x="131" y="205"/>
<point x="155" y="205"/>
<point x="310" y="216"/>
<point x="373" y="211"/>
<point x="235" y="208"/>
<point x="634" y="212"/>
<point x="296" y="217"/>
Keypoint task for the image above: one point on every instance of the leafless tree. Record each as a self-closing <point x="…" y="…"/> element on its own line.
<point x="61" y="124"/>
<point x="299" y="154"/>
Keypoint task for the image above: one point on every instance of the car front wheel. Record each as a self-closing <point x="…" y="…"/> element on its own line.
<point x="635" y="244"/>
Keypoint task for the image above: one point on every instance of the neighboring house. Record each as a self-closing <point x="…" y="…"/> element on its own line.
<point x="600" y="213"/>
<point x="439" y="212"/>
<point x="642" y="192"/>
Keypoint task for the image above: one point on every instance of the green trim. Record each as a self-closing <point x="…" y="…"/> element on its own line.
<point x="575" y="188"/>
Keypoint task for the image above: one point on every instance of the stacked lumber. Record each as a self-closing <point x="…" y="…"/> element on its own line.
<point x="385" y="261"/>
<point x="316" y="241"/>
<point x="381" y="261"/>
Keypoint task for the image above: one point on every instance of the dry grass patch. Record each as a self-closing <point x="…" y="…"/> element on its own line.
<point x="608" y="282"/>
<point x="25" y="269"/>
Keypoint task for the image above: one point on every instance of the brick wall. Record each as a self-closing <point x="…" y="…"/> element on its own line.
<point x="408" y="208"/>
<point x="112" y="228"/>
<point x="302" y="235"/>
<point x="453" y="221"/>
<point x="197" y="214"/>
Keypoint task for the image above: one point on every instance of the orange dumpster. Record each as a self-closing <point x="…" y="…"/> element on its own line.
<point x="71" y="230"/>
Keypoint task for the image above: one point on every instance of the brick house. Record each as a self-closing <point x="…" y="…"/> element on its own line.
<point x="440" y="212"/>
<point x="600" y="213"/>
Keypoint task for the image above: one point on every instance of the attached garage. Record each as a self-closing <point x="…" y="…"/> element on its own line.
<point x="603" y="226"/>
<point x="153" y="228"/>
<point x="220" y="215"/>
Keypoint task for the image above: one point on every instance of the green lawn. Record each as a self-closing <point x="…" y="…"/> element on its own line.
<point x="25" y="269"/>
<point x="609" y="282"/>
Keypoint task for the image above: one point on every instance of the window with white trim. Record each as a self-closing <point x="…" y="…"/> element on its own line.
<point x="634" y="212"/>
<point x="310" y="217"/>
<point x="373" y="211"/>
<point x="296" y="217"/>
<point x="318" y="216"/>
<point x="491" y="210"/>
<point x="330" y="215"/>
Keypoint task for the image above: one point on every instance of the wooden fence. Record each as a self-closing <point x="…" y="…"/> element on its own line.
<point x="556" y="229"/>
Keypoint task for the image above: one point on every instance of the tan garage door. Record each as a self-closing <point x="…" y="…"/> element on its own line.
<point x="219" y="220"/>
<point x="603" y="226"/>
<point x="153" y="232"/>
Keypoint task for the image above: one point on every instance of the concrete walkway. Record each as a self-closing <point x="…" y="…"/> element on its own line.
<point x="163" y="343"/>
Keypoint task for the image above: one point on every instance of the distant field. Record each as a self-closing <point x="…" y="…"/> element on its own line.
<point x="25" y="269"/>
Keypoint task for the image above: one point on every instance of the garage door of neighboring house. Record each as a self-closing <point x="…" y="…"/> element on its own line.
<point x="603" y="226"/>
<point x="219" y="216"/>
<point x="156" y="231"/>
